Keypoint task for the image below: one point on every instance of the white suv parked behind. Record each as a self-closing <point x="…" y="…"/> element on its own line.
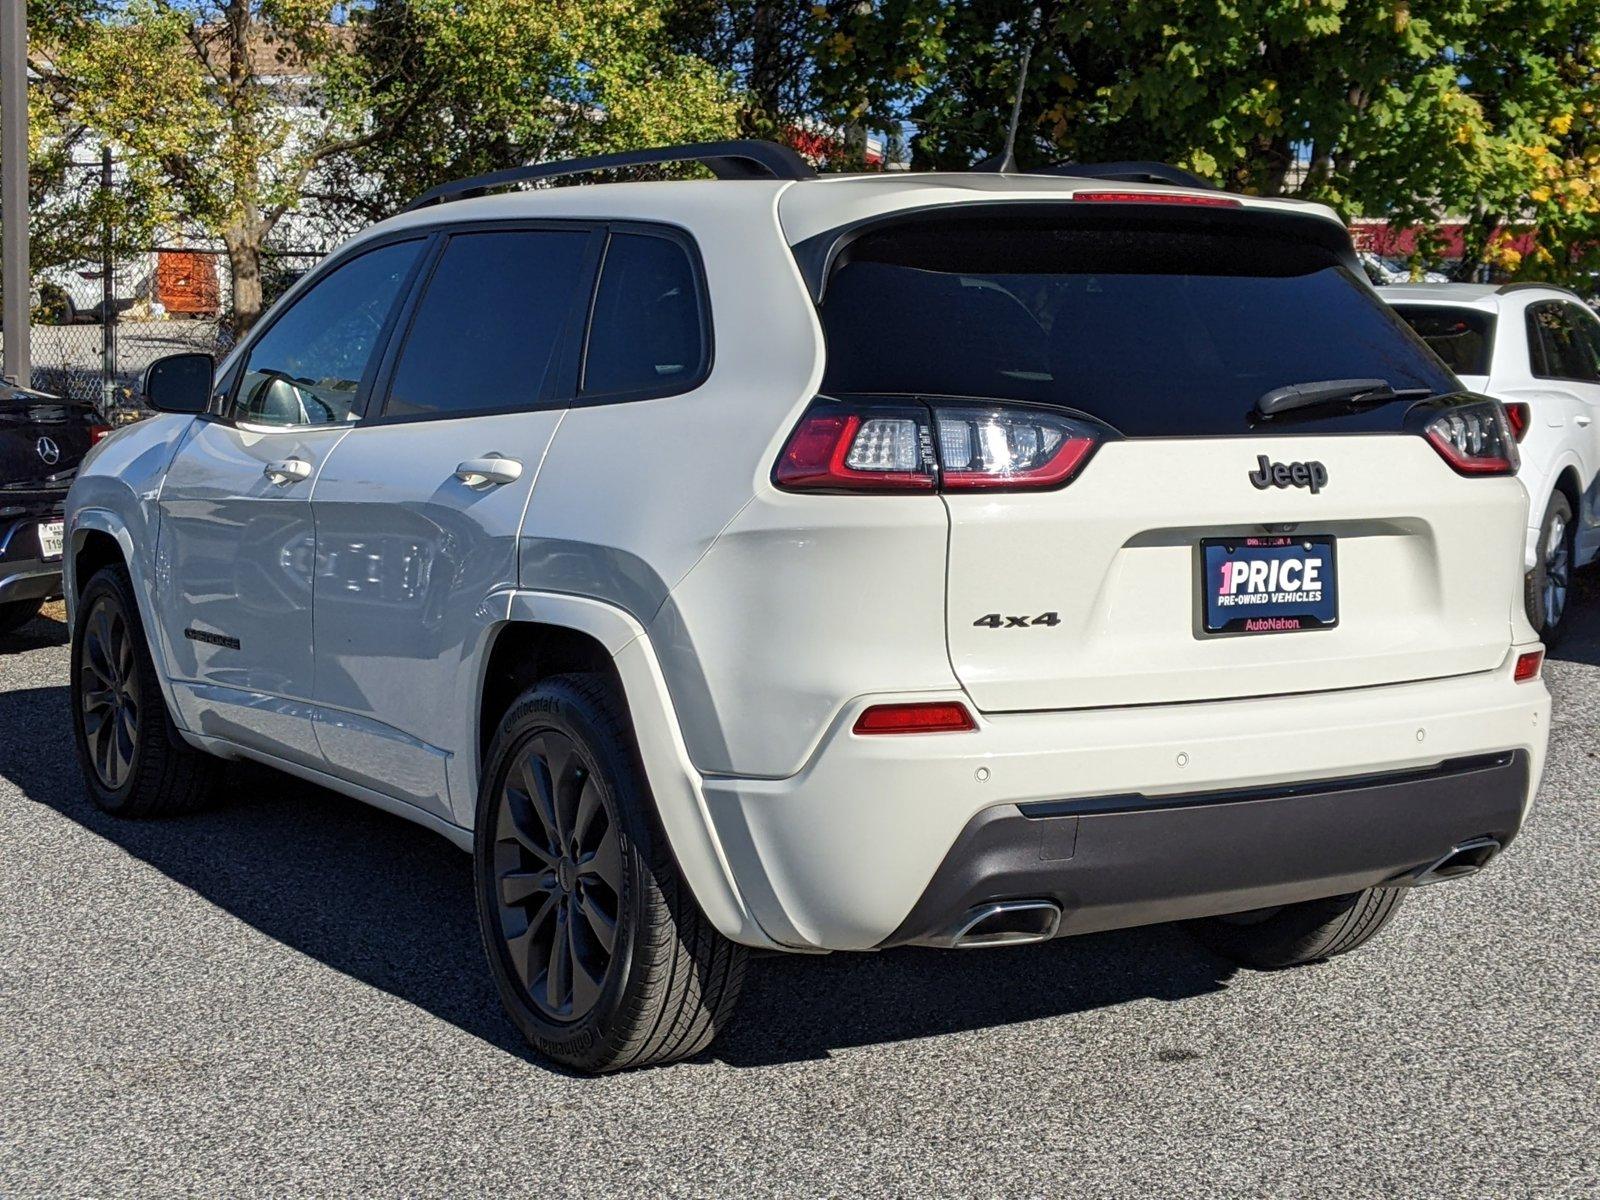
<point x="830" y="564"/>
<point x="1537" y="348"/>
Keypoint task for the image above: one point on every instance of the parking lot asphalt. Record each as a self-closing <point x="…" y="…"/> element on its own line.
<point x="286" y="996"/>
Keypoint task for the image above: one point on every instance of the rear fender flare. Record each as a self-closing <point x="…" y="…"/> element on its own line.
<point x="674" y="782"/>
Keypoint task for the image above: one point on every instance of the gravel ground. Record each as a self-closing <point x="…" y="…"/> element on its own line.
<point x="286" y="997"/>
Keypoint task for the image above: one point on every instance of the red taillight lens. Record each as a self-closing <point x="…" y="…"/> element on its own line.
<point x="98" y="433"/>
<point x="955" y="448"/>
<point x="925" y="717"/>
<point x="1158" y="198"/>
<point x="843" y="450"/>
<point x="1475" y="438"/>
<point x="1520" y="416"/>
<point x="1528" y="665"/>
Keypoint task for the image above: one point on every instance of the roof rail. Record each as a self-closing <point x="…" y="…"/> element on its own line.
<point x="1128" y="172"/>
<point x="1506" y="288"/>
<point x="748" y="159"/>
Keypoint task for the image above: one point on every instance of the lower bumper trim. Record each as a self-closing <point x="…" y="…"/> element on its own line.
<point x="1113" y="862"/>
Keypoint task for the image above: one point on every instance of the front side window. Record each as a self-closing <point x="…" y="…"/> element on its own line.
<point x="306" y="369"/>
<point x="1463" y="337"/>
<point x="488" y="332"/>
<point x="647" y="335"/>
<point x="1559" y="348"/>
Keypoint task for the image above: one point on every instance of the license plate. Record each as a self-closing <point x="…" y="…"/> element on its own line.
<point x="52" y="539"/>
<point x="1268" y="584"/>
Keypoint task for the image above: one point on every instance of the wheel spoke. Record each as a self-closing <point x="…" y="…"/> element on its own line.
<point x="585" y="987"/>
<point x="520" y="819"/>
<point x="605" y="862"/>
<point x="588" y="805"/>
<point x="122" y="647"/>
<point x="521" y="946"/>
<point x="518" y="887"/>
<point x="536" y="780"/>
<point x="558" y="971"/>
<point x="601" y="923"/>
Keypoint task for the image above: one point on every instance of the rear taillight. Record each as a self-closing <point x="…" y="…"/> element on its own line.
<point x="954" y="448"/>
<point x="1475" y="438"/>
<point x="98" y="432"/>
<point x="1520" y="416"/>
<point x="1527" y="668"/>
<point x="923" y="717"/>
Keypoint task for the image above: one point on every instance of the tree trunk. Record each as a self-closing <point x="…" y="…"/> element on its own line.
<point x="244" y="265"/>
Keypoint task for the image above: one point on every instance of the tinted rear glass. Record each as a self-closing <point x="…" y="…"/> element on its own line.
<point x="1463" y="337"/>
<point x="646" y="336"/>
<point x="1159" y="329"/>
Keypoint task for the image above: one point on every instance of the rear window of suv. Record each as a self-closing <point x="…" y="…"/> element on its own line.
<point x="1159" y="327"/>
<point x="1463" y="337"/>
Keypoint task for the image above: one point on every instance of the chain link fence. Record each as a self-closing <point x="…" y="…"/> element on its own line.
<point x="97" y="325"/>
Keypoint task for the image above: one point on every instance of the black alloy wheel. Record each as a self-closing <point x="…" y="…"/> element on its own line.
<point x="558" y="876"/>
<point x="109" y="694"/>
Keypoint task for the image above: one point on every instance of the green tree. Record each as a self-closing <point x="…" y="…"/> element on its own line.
<point x="469" y="88"/>
<point x="1405" y="108"/>
<point x="249" y="110"/>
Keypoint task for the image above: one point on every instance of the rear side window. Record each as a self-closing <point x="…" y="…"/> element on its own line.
<point x="648" y="334"/>
<point x="1159" y="329"/>
<point x="1563" y="342"/>
<point x="1463" y="337"/>
<point x="488" y="331"/>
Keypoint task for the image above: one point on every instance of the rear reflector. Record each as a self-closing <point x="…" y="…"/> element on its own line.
<point x="1158" y="198"/>
<point x="925" y="717"/>
<point x="1528" y="666"/>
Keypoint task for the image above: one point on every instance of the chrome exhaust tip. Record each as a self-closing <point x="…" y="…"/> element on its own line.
<point x="1468" y="858"/>
<point x="1006" y="923"/>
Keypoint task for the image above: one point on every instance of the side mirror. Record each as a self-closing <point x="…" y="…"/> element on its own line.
<point x="179" y="383"/>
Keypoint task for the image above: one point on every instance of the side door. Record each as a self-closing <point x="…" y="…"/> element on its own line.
<point x="1564" y="354"/>
<point x="235" y="547"/>
<point x="418" y="510"/>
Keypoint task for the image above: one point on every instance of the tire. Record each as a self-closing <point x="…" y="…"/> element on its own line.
<point x="1549" y="585"/>
<point x="16" y="613"/>
<point x="1297" y="934"/>
<point x="568" y="852"/>
<point x="134" y="763"/>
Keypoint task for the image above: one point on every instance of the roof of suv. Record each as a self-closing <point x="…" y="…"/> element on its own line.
<point x="807" y="207"/>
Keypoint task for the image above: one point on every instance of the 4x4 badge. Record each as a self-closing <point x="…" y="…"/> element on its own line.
<point x="1301" y="474"/>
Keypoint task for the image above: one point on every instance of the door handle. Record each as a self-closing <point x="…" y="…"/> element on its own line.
<point x="1583" y="421"/>
<point x="290" y="470"/>
<point x="489" y="471"/>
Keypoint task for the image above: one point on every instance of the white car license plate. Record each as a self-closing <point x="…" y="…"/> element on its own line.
<point x="52" y="539"/>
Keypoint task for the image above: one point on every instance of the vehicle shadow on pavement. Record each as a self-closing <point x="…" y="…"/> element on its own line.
<point x="391" y="904"/>
<point x="41" y="633"/>
<point x="1580" y="641"/>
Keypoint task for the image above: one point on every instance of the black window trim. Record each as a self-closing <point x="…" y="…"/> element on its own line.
<point x="559" y="385"/>
<point x="230" y="395"/>
<point x="677" y="387"/>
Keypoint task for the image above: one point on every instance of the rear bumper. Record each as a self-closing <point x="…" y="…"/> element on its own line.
<point x="1133" y="860"/>
<point x="878" y="840"/>
<point x="23" y="574"/>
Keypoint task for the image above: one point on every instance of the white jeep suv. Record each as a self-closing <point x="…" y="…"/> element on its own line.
<point x="830" y="564"/>
<point x="1537" y="349"/>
